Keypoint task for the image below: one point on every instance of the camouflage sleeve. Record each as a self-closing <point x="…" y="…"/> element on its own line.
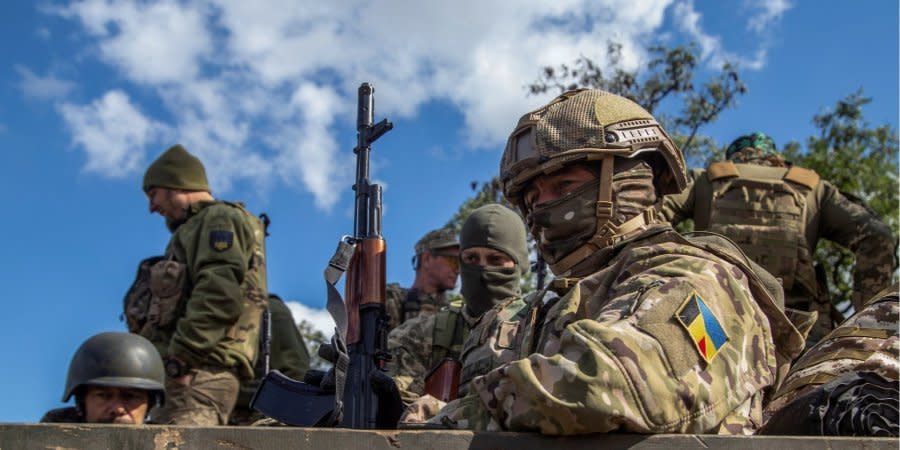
<point x="410" y="346"/>
<point x="848" y="222"/>
<point x="289" y="352"/>
<point x="679" y="348"/>
<point x="393" y="300"/>
<point x="676" y="208"/>
<point x="217" y="258"/>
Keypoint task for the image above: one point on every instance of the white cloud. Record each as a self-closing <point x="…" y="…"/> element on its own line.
<point x="319" y="318"/>
<point x="42" y="88"/>
<point x="769" y="11"/>
<point x="113" y="133"/>
<point x="152" y="42"/>
<point x="712" y="51"/>
<point x="256" y="88"/>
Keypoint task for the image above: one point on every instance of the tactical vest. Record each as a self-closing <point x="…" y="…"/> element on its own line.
<point x="449" y="333"/>
<point x="764" y="211"/>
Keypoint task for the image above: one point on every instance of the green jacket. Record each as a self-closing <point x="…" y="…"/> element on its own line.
<point x="217" y="317"/>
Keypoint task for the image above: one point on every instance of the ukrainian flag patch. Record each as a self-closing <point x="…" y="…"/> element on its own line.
<point x="705" y="330"/>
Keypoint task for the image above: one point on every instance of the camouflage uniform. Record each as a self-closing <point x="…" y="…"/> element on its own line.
<point x="422" y="344"/>
<point x="402" y="304"/>
<point x="210" y="292"/>
<point x="652" y="333"/>
<point x="288" y="354"/>
<point x="847" y="383"/>
<point x="415" y="351"/>
<point x="780" y="230"/>
<point x="410" y="303"/>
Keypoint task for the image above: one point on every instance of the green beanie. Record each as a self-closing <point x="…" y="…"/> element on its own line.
<point x="176" y="169"/>
<point x="500" y="228"/>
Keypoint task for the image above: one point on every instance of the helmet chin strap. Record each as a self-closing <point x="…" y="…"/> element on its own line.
<point x="607" y="233"/>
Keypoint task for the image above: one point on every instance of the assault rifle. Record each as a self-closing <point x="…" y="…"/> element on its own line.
<point x="359" y="346"/>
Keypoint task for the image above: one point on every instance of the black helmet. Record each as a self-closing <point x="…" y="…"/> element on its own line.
<point x="119" y="360"/>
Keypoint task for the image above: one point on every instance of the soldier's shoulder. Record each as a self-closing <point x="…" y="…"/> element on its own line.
<point x="395" y="290"/>
<point x="67" y="414"/>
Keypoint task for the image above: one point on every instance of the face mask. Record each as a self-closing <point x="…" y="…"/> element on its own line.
<point x="562" y="225"/>
<point x="484" y="287"/>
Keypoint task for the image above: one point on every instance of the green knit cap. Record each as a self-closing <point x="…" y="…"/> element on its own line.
<point x="500" y="228"/>
<point x="176" y="169"/>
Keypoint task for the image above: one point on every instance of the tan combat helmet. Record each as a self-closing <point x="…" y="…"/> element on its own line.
<point x="589" y="125"/>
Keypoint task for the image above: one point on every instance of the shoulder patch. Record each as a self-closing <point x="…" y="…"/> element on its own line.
<point x="702" y="326"/>
<point x="221" y="240"/>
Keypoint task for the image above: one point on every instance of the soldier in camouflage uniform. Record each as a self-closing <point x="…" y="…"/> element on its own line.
<point x="437" y="265"/>
<point x="645" y="331"/>
<point x="208" y="292"/>
<point x="494" y="256"/>
<point x="847" y="383"/>
<point x="777" y="213"/>
<point x="115" y="378"/>
<point x="288" y="354"/>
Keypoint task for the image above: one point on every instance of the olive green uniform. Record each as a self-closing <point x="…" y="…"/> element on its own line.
<point x="214" y="325"/>
<point x="288" y="354"/>
<point x="805" y="209"/>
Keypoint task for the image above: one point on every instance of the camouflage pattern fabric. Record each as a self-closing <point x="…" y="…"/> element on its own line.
<point x="288" y="354"/>
<point x="829" y="214"/>
<point x="68" y="414"/>
<point x="757" y="148"/>
<point x="413" y="352"/>
<point x="422" y="409"/>
<point x="396" y="296"/>
<point x="665" y="338"/>
<point x="847" y="383"/>
<point x="491" y="342"/>
<point x="207" y="401"/>
<point x="215" y="322"/>
<point x="436" y="239"/>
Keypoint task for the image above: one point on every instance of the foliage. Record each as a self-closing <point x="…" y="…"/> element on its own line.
<point x="313" y="338"/>
<point x="667" y="76"/>
<point x="860" y="160"/>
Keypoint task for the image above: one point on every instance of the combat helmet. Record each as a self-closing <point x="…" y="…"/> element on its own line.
<point x="117" y="359"/>
<point x="583" y="126"/>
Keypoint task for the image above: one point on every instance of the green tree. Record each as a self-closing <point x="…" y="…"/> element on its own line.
<point x="861" y="160"/>
<point x="667" y="77"/>
<point x="313" y="339"/>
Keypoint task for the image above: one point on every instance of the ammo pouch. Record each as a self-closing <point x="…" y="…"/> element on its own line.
<point x="167" y="287"/>
<point x="137" y="299"/>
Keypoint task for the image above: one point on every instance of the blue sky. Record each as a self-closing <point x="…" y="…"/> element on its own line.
<point x="264" y="92"/>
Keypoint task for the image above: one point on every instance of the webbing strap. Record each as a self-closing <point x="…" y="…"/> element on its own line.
<point x="335" y="269"/>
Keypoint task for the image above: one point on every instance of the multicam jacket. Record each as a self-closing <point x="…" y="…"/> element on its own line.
<point x="667" y="337"/>
<point x="777" y="216"/>
<point x="847" y="382"/>
<point x="219" y="254"/>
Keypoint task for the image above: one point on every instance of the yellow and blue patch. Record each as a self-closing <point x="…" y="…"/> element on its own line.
<point x="221" y="240"/>
<point x="705" y="330"/>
